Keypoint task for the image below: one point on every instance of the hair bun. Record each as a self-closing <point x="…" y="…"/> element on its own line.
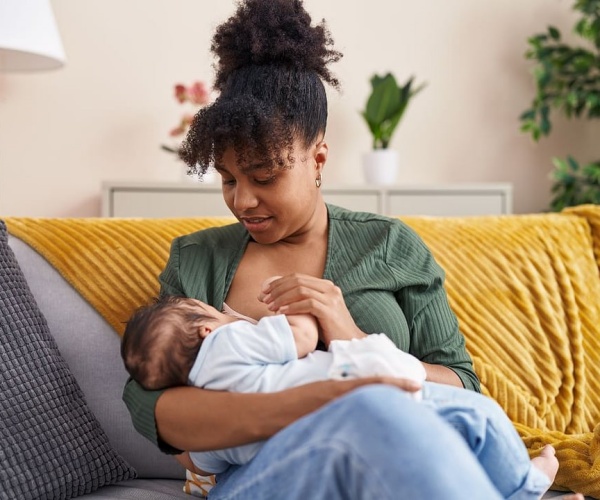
<point x="273" y="32"/>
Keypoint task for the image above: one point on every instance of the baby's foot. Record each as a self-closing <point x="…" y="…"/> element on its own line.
<point x="548" y="464"/>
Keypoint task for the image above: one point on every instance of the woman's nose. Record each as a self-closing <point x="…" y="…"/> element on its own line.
<point x="244" y="198"/>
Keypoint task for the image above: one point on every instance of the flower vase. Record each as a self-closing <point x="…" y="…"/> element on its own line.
<point x="380" y="166"/>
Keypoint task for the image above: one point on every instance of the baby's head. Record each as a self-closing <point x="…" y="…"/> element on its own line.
<point x="161" y="340"/>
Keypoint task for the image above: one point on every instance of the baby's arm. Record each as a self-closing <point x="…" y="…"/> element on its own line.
<point x="373" y="355"/>
<point x="306" y="332"/>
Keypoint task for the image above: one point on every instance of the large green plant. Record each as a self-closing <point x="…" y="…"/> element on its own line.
<point x="567" y="80"/>
<point x="386" y="106"/>
<point x="574" y="184"/>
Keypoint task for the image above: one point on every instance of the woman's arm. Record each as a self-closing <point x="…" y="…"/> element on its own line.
<point x="442" y="374"/>
<point x="188" y="418"/>
<point x="435" y="335"/>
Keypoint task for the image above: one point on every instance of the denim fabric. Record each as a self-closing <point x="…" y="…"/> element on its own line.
<point x="377" y="442"/>
<point x="490" y="435"/>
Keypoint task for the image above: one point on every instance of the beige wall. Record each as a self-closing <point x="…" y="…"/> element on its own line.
<point x="104" y="115"/>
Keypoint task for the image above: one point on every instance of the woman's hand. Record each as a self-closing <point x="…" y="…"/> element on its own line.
<point x="303" y="294"/>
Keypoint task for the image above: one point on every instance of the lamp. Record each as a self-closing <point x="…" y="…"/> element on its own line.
<point x="29" y="38"/>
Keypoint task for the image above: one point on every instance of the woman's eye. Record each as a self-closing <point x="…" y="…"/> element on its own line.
<point x="227" y="182"/>
<point x="264" y="182"/>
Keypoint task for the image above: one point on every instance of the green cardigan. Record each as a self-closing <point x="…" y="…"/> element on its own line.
<point x="390" y="281"/>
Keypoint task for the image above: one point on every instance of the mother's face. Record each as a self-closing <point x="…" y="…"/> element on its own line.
<point x="274" y="204"/>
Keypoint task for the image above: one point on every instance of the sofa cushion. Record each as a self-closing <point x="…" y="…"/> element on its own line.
<point x="51" y="445"/>
<point x="91" y="349"/>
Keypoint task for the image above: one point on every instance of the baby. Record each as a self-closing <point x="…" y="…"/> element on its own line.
<point x="179" y="341"/>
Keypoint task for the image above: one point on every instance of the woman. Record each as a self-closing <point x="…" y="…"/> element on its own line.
<point x="357" y="273"/>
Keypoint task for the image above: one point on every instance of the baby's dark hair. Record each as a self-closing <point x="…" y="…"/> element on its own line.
<point x="160" y="343"/>
<point x="270" y="72"/>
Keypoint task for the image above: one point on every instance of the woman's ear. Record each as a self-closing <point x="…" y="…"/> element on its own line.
<point x="321" y="151"/>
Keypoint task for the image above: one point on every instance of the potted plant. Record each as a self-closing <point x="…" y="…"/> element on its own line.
<point x="385" y="107"/>
<point x="567" y="80"/>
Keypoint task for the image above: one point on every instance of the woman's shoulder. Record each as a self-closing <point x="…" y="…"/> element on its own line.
<point x="368" y="223"/>
<point x="367" y="232"/>
<point x="221" y="236"/>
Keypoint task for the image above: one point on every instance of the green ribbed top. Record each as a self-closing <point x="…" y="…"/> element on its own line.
<point x="389" y="278"/>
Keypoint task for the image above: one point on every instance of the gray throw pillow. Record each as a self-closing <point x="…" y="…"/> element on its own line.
<point x="51" y="445"/>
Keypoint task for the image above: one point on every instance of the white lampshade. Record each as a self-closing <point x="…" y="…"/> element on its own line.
<point x="29" y="38"/>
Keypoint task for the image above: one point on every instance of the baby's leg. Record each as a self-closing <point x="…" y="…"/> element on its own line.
<point x="490" y="434"/>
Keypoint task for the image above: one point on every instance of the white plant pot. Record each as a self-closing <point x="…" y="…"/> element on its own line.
<point x="380" y="166"/>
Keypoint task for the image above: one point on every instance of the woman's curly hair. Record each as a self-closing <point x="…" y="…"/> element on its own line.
<point x="270" y="72"/>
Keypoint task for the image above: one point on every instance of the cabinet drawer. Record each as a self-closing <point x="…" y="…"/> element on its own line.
<point x="452" y="204"/>
<point x="167" y="203"/>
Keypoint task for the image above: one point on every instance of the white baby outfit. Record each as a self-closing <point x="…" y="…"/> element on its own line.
<point x="262" y="357"/>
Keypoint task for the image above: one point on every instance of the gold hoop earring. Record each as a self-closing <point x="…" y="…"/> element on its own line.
<point x="318" y="180"/>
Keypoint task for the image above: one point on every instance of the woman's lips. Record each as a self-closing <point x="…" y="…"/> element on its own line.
<point x="255" y="223"/>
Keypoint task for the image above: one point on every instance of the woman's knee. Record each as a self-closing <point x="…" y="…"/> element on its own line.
<point x="441" y="396"/>
<point x="381" y="414"/>
<point x="378" y="402"/>
<point x="479" y="419"/>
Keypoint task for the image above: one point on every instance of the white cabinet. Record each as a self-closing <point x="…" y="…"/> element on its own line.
<point x="186" y="199"/>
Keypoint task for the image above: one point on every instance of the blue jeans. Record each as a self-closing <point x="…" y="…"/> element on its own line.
<point x="377" y="442"/>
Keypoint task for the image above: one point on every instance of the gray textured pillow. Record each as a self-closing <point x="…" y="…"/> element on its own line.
<point x="51" y="445"/>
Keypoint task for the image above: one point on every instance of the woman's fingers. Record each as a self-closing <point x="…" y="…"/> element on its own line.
<point x="296" y="288"/>
<point x="303" y="294"/>
<point x="405" y="384"/>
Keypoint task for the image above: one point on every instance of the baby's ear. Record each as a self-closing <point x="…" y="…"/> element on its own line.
<point x="204" y="331"/>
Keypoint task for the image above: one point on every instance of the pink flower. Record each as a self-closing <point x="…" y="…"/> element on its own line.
<point x="180" y="92"/>
<point x="179" y="130"/>
<point x="186" y="121"/>
<point x="197" y="94"/>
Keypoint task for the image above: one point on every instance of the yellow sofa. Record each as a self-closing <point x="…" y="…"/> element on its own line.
<point x="525" y="288"/>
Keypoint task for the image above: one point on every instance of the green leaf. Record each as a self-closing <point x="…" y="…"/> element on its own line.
<point x="581" y="27"/>
<point x="545" y="126"/>
<point x="573" y="163"/>
<point x="554" y="33"/>
<point x="543" y="75"/>
<point x="384" y="100"/>
<point x="386" y="106"/>
<point x="527" y="115"/>
<point x="560" y="164"/>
